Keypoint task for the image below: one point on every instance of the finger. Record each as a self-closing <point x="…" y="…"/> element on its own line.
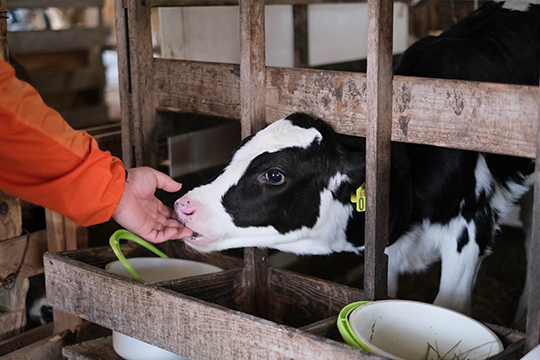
<point x="170" y="233"/>
<point x="159" y="226"/>
<point x="173" y="223"/>
<point x="166" y="183"/>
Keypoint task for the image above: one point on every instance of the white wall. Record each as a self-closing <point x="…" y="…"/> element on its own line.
<point x="337" y="32"/>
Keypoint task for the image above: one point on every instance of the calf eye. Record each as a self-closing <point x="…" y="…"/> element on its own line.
<point x="273" y="177"/>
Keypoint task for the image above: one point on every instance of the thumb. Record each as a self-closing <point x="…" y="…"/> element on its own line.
<point x="165" y="182"/>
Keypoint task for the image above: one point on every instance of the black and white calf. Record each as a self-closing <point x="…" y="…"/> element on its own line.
<point x="289" y="186"/>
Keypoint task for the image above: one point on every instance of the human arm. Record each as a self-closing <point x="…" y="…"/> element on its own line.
<point x="46" y="162"/>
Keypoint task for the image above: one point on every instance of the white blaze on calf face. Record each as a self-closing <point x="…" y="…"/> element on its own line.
<point x="236" y="209"/>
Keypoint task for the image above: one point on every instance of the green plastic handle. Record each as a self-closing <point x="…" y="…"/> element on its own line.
<point x="114" y="241"/>
<point x="345" y="327"/>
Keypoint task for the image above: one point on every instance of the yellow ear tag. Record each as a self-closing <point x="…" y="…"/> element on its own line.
<point x="359" y="198"/>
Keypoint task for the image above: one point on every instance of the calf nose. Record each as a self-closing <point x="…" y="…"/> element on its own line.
<point x="183" y="206"/>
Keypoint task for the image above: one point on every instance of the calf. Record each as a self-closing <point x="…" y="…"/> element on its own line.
<point x="289" y="186"/>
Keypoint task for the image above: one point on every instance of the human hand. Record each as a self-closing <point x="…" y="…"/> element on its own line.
<point x="142" y="213"/>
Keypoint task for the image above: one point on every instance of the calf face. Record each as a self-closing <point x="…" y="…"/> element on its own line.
<point x="287" y="187"/>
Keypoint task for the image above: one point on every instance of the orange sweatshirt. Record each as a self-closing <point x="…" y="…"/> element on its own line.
<point x="45" y="162"/>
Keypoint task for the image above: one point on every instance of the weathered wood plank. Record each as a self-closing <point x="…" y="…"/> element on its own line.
<point x="168" y="3"/>
<point x="304" y="300"/>
<point x="326" y="327"/>
<point x="177" y="323"/>
<point x="378" y="140"/>
<point x="10" y="216"/>
<point x="12" y="322"/>
<point x="51" y="346"/>
<point x="63" y="234"/>
<point x="11" y="252"/>
<point x="196" y="87"/>
<point x="252" y="67"/>
<point x="4" y="51"/>
<point x="48" y="348"/>
<point x="30" y="4"/>
<point x="97" y="349"/>
<point x="223" y="288"/>
<point x="533" y="267"/>
<point x="28" y="337"/>
<point x="143" y="120"/>
<point x="253" y="119"/>
<point x="124" y="81"/>
<point x="488" y="117"/>
<point x="22" y="42"/>
<point x="300" y="29"/>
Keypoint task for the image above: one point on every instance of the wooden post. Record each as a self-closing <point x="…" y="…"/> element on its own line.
<point x="63" y="234"/>
<point x="379" y="131"/>
<point x="10" y="216"/>
<point x="4" y="53"/>
<point x="533" y="313"/>
<point x="122" y="47"/>
<point x="135" y="22"/>
<point x="253" y="117"/>
<point x="12" y="299"/>
<point x="301" y="46"/>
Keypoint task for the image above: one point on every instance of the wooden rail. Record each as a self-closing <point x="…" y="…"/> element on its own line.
<point x="170" y="3"/>
<point x="465" y="115"/>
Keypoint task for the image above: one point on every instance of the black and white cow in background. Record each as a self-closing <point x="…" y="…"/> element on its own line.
<point x="289" y="186"/>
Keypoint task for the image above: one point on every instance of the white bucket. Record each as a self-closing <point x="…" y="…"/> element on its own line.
<point x="153" y="270"/>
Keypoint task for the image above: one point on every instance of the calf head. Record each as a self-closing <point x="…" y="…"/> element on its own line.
<point x="287" y="187"/>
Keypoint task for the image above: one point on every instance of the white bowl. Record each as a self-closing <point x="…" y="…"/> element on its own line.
<point x="153" y="270"/>
<point x="401" y="330"/>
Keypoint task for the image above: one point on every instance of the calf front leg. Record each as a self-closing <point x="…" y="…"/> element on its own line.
<point x="459" y="268"/>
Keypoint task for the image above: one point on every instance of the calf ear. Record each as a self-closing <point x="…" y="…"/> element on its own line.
<point x="401" y="192"/>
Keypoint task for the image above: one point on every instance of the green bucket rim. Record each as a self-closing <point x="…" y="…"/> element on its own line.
<point x="345" y="327"/>
<point x="114" y="241"/>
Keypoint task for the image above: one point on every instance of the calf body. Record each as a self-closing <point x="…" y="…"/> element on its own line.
<point x="289" y="186"/>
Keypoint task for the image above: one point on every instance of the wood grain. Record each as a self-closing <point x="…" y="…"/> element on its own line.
<point x="10" y="216"/>
<point x="253" y="119"/>
<point x="533" y="267"/>
<point x="486" y="117"/>
<point x="301" y="41"/>
<point x="4" y="50"/>
<point x="11" y="252"/>
<point x="129" y="152"/>
<point x="28" y="337"/>
<point x="299" y="300"/>
<point x="143" y="118"/>
<point x="177" y="323"/>
<point x="168" y="3"/>
<point x="378" y="140"/>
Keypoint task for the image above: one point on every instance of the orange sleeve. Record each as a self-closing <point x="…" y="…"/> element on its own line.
<point x="45" y="162"/>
